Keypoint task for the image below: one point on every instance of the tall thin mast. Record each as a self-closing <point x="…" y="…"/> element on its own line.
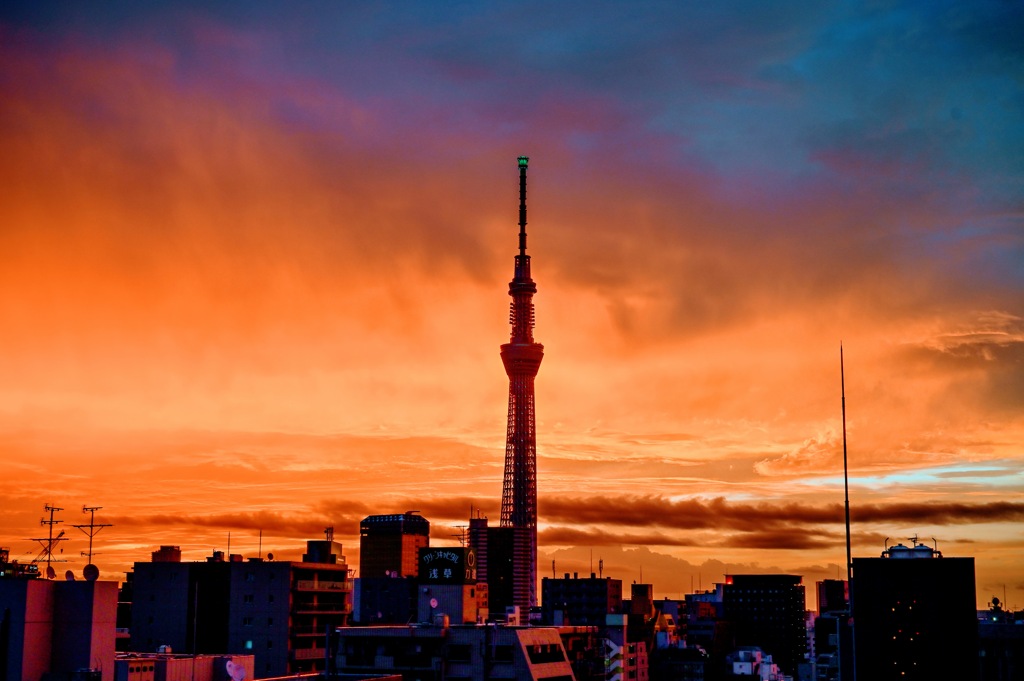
<point x="846" y="470"/>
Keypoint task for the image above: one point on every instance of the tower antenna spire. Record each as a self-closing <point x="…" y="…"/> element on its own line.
<point x="522" y="357"/>
<point x="524" y="161"/>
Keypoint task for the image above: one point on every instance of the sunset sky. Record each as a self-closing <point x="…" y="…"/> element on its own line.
<point x="254" y="262"/>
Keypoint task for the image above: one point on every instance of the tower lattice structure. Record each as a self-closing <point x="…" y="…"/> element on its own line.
<point x="522" y="357"/>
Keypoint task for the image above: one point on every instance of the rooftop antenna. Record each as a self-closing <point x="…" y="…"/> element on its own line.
<point x="50" y="541"/>
<point x="329" y="531"/>
<point x="461" y="536"/>
<point x="600" y="568"/>
<point x="94" y="528"/>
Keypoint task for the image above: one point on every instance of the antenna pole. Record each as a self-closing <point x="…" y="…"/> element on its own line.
<point x="94" y="527"/>
<point x="846" y="470"/>
<point x="50" y="541"/>
<point x="846" y="490"/>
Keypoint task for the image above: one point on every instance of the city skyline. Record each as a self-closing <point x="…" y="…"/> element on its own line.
<point x="254" y="264"/>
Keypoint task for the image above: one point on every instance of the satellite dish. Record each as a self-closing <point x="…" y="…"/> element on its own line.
<point x="91" y="572"/>
<point x="270" y="556"/>
<point x="50" y="572"/>
<point x="69" y="575"/>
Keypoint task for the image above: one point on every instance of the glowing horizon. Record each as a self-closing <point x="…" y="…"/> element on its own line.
<point x="254" y="269"/>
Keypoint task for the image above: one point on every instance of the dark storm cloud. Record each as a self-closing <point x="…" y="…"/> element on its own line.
<point x="720" y="514"/>
<point x="298" y="525"/>
<point x="594" y="537"/>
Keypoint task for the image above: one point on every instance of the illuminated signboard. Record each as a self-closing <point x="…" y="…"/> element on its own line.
<point x="448" y="565"/>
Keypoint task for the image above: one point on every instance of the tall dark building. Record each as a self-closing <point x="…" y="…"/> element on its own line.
<point x="914" y="615"/>
<point x="389" y="545"/>
<point x="521" y="357"/>
<point x="580" y="601"/>
<point x="768" y="611"/>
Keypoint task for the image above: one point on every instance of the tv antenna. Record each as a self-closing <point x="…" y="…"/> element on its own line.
<point x="461" y="535"/>
<point x="50" y="542"/>
<point x="92" y="529"/>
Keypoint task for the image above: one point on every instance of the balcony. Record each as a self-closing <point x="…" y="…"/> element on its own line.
<point x="314" y="585"/>
<point x="309" y="653"/>
<point x="297" y="632"/>
<point x="321" y="609"/>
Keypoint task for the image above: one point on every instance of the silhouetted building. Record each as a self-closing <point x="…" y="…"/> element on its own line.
<point x="522" y="357"/>
<point x="625" y="658"/>
<point x="57" y="628"/>
<point x="833" y="595"/>
<point x="833" y="636"/>
<point x="449" y="588"/>
<point x="1001" y="643"/>
<point x="575" y="601"/>
<point x="14" y="569"/>
<point x="914" y="615"/>
<point x="750" y="662"/>
<point x="278" y="611"/>
<point x="768" y="611"/>
<point x="467" y="652"/>
<point x="168" y="666"/>
<point x="385" y="600"/>
<point x="679" y="664"/>
<point x="495" y="549"/>
<point x="641" y="601"/>
<point x="167" y="554"/>
<point x="389" y="545"/>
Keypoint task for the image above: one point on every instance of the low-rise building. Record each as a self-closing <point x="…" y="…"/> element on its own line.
<point x="57" y="627"/>
<point x="455" y="653"/>
<point x="278" y="611"/>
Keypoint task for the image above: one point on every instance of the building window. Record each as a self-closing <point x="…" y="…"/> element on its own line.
<point x="247" y="621"/>
<point x="458" y="652"/>
<point x="248" y="645"/>
<point x="270" y="598"/>
<point x="250" y="577"/>
<point x="270" y="621"/>
<point x="249" y="598"/>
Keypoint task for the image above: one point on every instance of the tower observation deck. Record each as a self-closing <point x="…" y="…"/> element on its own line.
<point x="522" y="357"/>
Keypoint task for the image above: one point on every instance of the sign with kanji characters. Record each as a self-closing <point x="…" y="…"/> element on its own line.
<point x="448" y="565"/>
